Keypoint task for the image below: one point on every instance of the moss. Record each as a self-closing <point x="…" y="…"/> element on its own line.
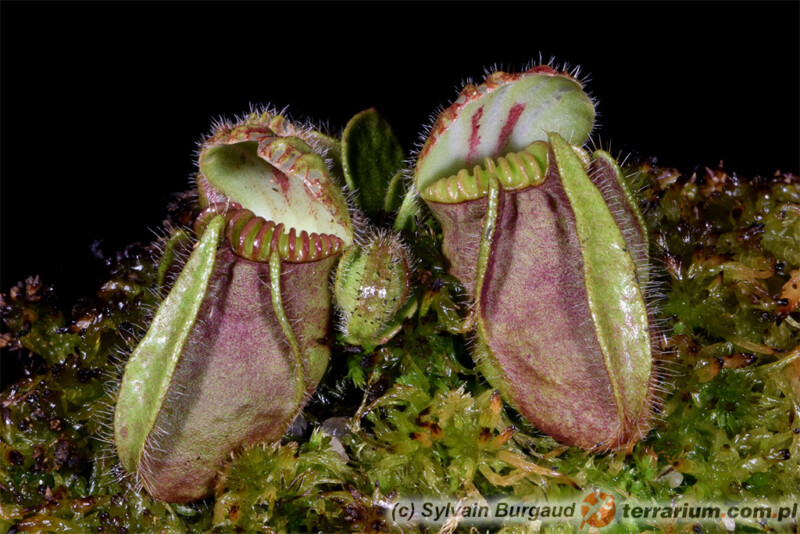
<point x="412" y="419"/>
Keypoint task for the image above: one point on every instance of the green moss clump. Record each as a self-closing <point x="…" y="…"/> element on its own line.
<point x="58" y="470"/>
<point x="287" y="487"/>
<point x="411" y="419"/>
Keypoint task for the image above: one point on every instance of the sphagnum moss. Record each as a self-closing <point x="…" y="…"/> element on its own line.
<point x="412" y="419"/>
<point x="427" y="425"/>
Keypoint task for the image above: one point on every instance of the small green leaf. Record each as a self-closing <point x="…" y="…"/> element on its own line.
<point x="394" y="193"/>
<point x="408" y="209"/>
<point x="371" y="158"/>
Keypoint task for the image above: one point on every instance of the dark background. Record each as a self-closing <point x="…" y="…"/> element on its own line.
<point x="102" y="104"/>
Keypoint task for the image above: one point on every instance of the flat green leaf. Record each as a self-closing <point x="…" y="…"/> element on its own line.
<point x="371" y="159"/>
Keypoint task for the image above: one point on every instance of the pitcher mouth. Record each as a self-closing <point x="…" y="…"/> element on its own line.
<point x="254" y="238"/>
<point x="502" y="116"/>
<point x="276" y="193"/>
<point x="514" y="171"/>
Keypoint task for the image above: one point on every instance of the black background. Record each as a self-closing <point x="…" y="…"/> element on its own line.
<point x="102" y="104"/>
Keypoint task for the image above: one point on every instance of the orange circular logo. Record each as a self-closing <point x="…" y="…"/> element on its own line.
<point x="598" y="509"/>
